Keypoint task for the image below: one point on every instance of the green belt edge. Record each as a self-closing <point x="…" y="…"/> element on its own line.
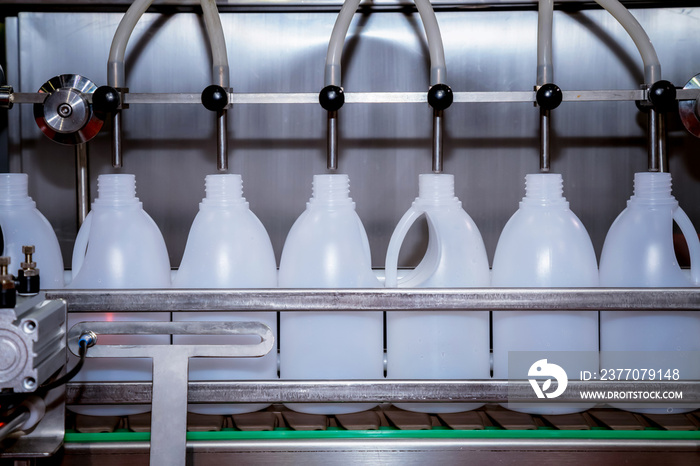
<point x="392" y="433"/>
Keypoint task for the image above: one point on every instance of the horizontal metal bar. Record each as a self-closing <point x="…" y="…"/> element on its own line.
<point x="366" y="449"/>
<point x="28" y="97"/>
<point x="371" y="97"/>
<point x="380" y="391"/>
<point x="497" y="299"/>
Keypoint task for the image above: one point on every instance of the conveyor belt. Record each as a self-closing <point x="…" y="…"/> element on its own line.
<point x="387" y="435"/>
<point x="389" y="421"/>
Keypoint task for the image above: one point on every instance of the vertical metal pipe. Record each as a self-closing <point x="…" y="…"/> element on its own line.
<point x="117" y="140"/>
<point x="82" y="181"/>
<point x="545" y="140"/>
<point x="437" y="140"/>
<point x="653" y="141"/>
<point x="222" y="140"/>
<point x="332" y="161"/>
<point x="661" y="146"/>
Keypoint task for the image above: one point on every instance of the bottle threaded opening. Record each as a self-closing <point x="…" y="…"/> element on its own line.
<point x="14" y="187"/>
<point x="331" y="189"/>
<point x="544" y="188"/>
<point x="116" y="188"/>
<point x="436" y="187"/>
<point x="652" y="186"/>
<point x="223" y="189"/>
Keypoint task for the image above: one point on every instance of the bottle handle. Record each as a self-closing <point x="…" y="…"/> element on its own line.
<point x="691" y="237"/>
<point x="392" y="253"/>
<point x="80" y="247"/>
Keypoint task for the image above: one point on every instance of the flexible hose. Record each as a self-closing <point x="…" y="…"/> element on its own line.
<point x="335" y="45"/>
<point x="115" y="65"/>
<point x="438" y="71"/>
<point x="340" y="30"/>
<point x="545" y="70"/>
<point x="652" y="66"/>
<point x="215" y="31"/>
<point x="18" y="398"/>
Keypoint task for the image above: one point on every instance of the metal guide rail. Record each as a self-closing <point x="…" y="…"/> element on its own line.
<point x="370" y="97"/>
<point x="467" y="299"/>
<point x="182" y="300"/>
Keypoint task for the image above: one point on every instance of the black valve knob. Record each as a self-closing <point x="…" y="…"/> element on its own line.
<point x="106" y="99"/>
<point x="214" y="98"/>
<point x="440" y="96"/>
<point x="663" y="95"/>
<point x="331" y="98"/>
<point x="549" y="96"/>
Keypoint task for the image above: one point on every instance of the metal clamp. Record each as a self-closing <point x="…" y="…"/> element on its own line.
<point x="170" y="369"/>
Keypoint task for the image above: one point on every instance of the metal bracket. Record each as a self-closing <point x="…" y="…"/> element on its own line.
<point x="170" y="369"/>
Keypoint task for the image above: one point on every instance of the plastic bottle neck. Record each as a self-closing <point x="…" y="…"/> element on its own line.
<point x="223" y="190"/>
<point x="116" y="190"/>
<point x="14" y="190"/>
<point x="544" y="189"/>
<point x="331" y="191"/>
<point x="436" y="190"/>
<point x="651" y="189"/>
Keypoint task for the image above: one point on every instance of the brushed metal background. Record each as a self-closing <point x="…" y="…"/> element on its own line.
<point x="278" y="148"/>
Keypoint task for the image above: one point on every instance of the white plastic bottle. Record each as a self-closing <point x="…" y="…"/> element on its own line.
<point x="439" y="344"/>
<point x="228" y="247"/>
<point x="119" y="246"/>
<point x="23" y="225"/>
<point x="327" y="247"/>
<point x="638" y="252"/>
<point x="544" y="244"/>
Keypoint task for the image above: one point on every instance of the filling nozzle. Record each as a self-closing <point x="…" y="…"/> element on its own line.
<point x="332" y="150"/>
<point x="437" y="140"/>
<point x="440" y="98"/>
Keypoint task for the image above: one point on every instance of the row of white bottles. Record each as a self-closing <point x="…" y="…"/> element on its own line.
<point x="543" y="245"/>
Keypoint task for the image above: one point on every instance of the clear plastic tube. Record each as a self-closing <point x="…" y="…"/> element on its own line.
<point x="545" y="71"/>
<point x="335" y="46"/>
<point x="652" y="66"/>
<point x="215" y="31"/>
<point x="438" y="73"/>
<point x="115" y="65"/>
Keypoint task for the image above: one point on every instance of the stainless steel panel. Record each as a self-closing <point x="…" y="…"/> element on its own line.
<point x="597" y="146"/>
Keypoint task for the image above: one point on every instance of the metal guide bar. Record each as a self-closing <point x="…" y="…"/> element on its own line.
<point x="372" y="97"/>
<point x="495" y="299"/>
<point x="389" y="391"/>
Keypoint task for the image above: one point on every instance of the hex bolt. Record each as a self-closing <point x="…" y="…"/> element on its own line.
<point x="4" y="263"/>
<point x="28" y="264"/>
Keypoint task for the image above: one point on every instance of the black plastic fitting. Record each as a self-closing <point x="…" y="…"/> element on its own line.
<point x="662" y="94"/>
<point x="440" y="96"/>
<point x="106" y="99"/>
<point x="331" y="98"/>
<point x="27" y="285"/>
<point x="214" y="98"/>
<point x="549" y="96"/>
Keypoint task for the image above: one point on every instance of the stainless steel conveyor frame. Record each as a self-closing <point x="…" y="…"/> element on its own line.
<point x="280" y="300"/>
